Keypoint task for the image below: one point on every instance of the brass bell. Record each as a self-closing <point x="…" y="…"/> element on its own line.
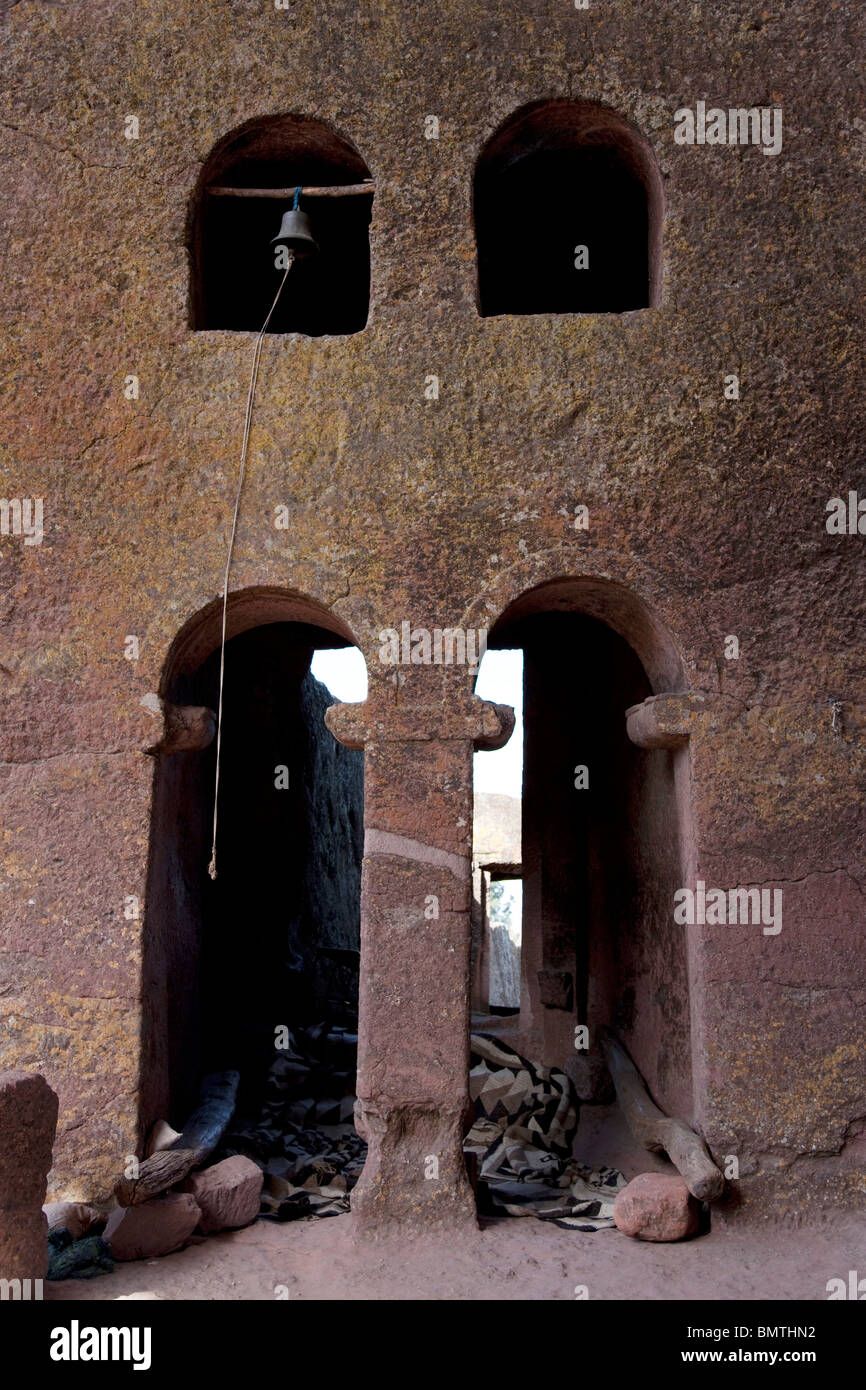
<point x="296" y="234"/>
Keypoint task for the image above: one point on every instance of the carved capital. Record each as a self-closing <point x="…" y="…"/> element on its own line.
<point x="668" y="720"/>
<point x="180" y="728"/>
<point x="383" y="719"/>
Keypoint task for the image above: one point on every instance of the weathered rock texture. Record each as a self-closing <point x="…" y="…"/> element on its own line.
<point x="28" y="1119"/>
<point x="228" y="1193"/>
<point x="706" y="519"/>
<point x="154" y="1228"/>
<point x="654" y="1206"/>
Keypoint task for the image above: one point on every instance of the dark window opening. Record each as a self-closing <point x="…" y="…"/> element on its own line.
<point x="235" y="274"/>
<point x="567" y="205"/>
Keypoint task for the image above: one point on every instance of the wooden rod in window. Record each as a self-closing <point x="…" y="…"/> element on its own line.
<point x="343" y="190"/>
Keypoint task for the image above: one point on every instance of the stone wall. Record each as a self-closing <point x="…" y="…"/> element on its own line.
<point x="28" y="1117"/>
<point x="708" y="511"/>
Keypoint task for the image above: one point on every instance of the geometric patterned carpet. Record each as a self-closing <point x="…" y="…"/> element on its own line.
<point x="525" y="1122"/>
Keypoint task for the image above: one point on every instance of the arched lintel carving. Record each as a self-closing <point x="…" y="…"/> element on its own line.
<point x="617" y="589"/>
<point x="247" y="608"/>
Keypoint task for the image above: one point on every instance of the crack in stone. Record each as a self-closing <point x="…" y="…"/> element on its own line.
<point x="813" y="873"/>
<point x="63" y="149"/>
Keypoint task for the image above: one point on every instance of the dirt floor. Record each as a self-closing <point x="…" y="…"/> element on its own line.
<point x="517" y="1258"/>
<point x="512" y="1259"/>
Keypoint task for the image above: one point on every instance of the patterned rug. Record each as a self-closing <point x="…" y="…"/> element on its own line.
<point x="304" y="1138"/>
<point x="525" y="1123"/>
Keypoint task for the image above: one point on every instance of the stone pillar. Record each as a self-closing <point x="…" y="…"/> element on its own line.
<point x="413" y="1045"/>
<point x="686" y="720"/>
<point x="28" y="1120"/>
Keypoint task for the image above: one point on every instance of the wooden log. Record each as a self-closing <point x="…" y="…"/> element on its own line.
<point x="340" y="190"/>
<point x="201" y="1134"/>
<point x="655" y="1130"/>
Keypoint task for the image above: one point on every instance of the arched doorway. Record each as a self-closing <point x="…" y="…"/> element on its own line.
<point x="604" y="842"/>
<point x="273" y="942"/>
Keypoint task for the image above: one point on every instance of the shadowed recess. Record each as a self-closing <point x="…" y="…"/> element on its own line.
<point x="234" y="275"/>
<point x="273" y="941"/>
<point x="568" y="210"/>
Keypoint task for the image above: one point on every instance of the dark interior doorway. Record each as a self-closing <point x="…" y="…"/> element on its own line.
<point x="601" y="854"/>
<point x="601" y="858"/>
<point x="273" y="943"/>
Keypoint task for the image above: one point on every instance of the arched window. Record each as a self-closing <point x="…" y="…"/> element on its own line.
<point x="568" y="209"/>
<point x="245" y="187"/>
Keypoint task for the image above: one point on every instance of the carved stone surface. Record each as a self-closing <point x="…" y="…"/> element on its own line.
<point x="28" y="1118"/>
<point x="706" y="519"/>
